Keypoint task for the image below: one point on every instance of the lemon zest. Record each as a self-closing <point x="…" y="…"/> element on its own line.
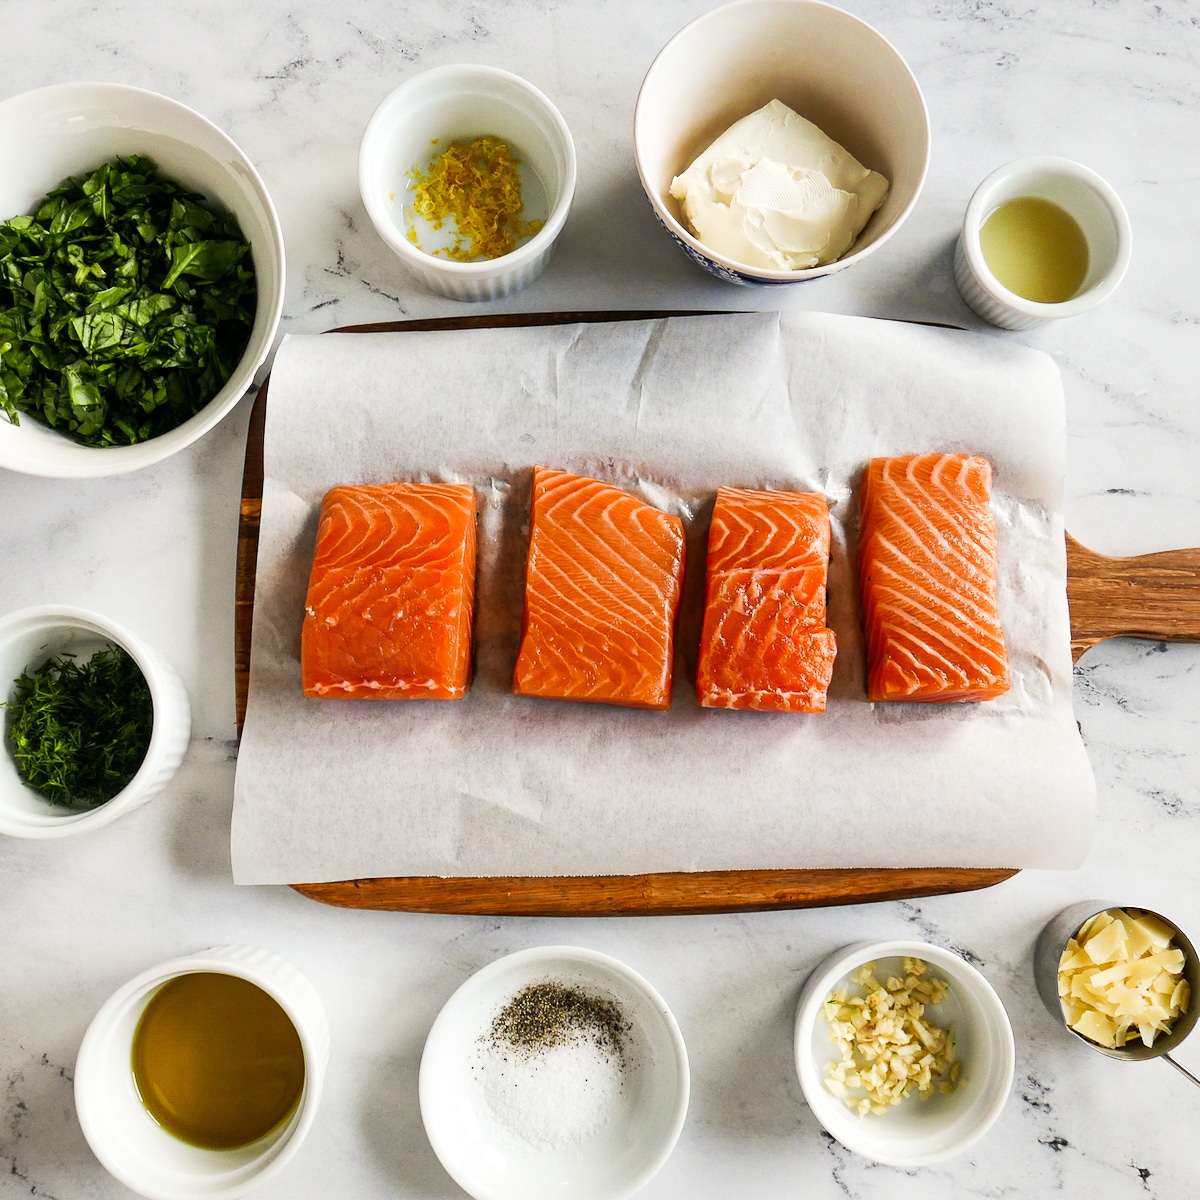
<point x="475" y="185"/>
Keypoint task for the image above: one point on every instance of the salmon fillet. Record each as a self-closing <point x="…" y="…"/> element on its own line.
<point x="602" y="588"/>
<point x="764" y="644"/>
<point x="928" y="558"/>
<point x="390" y="598"/>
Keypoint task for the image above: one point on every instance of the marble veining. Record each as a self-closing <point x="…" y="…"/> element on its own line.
<point x="1112" y="83"/>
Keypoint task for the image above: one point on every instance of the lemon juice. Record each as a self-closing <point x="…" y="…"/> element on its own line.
<point x="1035" y="249"/>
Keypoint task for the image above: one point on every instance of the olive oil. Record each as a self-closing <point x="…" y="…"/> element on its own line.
<point x="217" y="1061"/>
<point x="1036" y="249"/>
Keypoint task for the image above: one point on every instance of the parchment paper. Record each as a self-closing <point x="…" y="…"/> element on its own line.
<point x="497" y="784"/>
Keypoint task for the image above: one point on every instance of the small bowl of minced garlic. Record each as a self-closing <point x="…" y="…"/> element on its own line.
<point x="780" y="140"/>
<point x="903" y="1050"/>
<point x="468" y="173"/>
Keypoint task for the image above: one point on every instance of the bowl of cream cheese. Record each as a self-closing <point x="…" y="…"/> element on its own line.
<point x="780" y="140"/>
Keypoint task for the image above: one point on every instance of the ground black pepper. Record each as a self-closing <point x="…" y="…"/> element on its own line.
<point x="545" y="1015"/>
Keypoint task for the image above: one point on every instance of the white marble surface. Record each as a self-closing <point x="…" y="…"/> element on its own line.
<point x="1113" y="84"/>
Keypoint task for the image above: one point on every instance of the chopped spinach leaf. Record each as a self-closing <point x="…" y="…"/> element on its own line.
<point x="125" y="305"/>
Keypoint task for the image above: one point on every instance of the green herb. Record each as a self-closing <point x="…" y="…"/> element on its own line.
<point x="79" y="733"/>
<point x="125" y="305"/>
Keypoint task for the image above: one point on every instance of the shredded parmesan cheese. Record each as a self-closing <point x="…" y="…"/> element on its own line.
<point x="1121" y="977"/>
<point x="888" y="1048"/>
<point x="476" y="185"/>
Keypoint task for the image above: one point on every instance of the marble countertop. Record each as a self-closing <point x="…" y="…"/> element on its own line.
<point x="1114" y="85"/>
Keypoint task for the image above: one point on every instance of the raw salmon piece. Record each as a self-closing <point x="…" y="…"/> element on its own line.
<point x="764" y="644"/>
<point x="928" y="557"/>
<point x="390" y="598"/>
<point x="601" y="592"/>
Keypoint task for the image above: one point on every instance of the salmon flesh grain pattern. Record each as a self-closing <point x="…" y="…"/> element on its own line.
<point x="928" y="558"/>
<point x="391" y="594"/>
<point x="602" y="587"/>
<point x="765" y="644"/>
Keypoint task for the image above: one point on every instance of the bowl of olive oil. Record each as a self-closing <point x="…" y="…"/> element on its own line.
<point x="1042" y="238"/>
<point x="202" y="1076"/>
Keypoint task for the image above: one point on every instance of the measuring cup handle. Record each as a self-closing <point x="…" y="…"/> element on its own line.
<point x="1182" y="1070"/>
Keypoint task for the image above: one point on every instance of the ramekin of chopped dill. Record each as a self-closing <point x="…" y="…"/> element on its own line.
<point x="79" y="730"/>
<point x="125" y="305"/>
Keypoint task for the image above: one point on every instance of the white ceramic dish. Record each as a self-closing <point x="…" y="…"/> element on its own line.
<point x="28" y="638"/>
<point x="824" y="63"/>
<point x="913" y="1134"/>
<point x="461" y="102"/>
<point x="132" y="1145"/>
<point x="72" y="128"/>
<point x="1072" y="186"/>
<point x="474" y="1139"/>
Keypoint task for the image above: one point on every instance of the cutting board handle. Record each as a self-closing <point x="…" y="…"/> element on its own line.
<point x="1154" y="596"/>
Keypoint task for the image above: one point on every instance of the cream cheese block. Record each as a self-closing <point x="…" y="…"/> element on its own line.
<point x="774" y="191"/>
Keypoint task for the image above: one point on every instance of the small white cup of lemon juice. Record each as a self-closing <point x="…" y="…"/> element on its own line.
<point x="1043" y="238"/>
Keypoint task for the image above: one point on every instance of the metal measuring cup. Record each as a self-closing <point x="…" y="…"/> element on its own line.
<point x="1048" y="954"/>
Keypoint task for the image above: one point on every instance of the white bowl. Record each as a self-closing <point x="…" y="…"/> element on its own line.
<point x="827" y="65"/>
<point x="1072" y="186"/>
<point x="131" y="1144"/>
<point x="454" y="103"/>
<point x="28" y="638"/>
<point x="69" y="130"/>
<point x="475" y="1144"/>
<point x="914" y="1133"/>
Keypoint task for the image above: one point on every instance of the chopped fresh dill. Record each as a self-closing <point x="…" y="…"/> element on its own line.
<point x="79" y="732"/>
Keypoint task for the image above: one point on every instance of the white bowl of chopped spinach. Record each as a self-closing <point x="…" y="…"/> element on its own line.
<point x="141" y="278"/>
<point x="95" y="722"/>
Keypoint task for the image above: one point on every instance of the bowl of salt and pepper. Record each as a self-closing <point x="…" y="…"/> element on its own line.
<point x="556" y="1070"/>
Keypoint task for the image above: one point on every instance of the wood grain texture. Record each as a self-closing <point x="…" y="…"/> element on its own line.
<point x="1155" y="596"/>
<point x="674" y="893"/>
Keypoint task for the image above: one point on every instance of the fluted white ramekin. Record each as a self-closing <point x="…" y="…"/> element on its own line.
<point x="1070" y="185"/>
<point x="457" y="102"/>
<point x="131" y="1144"/>
<point x="28" y="638"/>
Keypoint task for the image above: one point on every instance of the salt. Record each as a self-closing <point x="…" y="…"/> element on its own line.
<point x="552" y="1067"/>
<point x="556" y="1097"/>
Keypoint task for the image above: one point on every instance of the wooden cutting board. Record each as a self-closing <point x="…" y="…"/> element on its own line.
<point x="1154" y="596"/>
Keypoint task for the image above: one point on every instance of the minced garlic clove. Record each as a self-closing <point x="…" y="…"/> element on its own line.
<point x="889" y="1050"/>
